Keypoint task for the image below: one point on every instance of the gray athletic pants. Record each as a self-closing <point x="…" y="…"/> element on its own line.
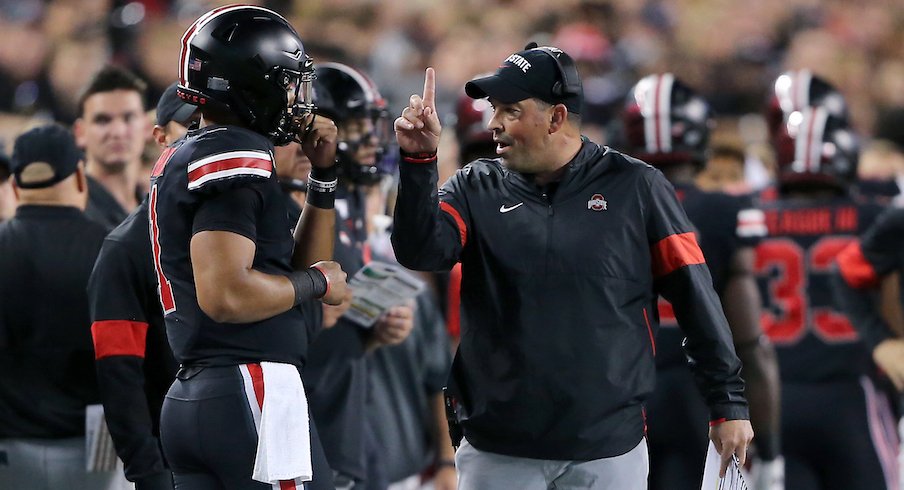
<point x="482" y="470"/>
<point x="50" y="464"/>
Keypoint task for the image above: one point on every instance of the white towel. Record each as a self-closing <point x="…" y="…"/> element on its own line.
<point x="284" y="437"/>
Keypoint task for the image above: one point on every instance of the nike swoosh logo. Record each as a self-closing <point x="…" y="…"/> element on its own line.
<point x="503" y="209"/>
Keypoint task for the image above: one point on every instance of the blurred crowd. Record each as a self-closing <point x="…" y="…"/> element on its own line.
<point x="729" y="50"/>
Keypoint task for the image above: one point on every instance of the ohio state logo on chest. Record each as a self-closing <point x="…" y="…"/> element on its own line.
<point x="597" y="203"/>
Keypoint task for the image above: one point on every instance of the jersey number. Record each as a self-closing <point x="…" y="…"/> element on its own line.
<point x="164" y="288"/>
<point x="789" y="290"/>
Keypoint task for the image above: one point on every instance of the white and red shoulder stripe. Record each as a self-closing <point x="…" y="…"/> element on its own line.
<point x="751" y="223"/>
<point x="243" y="163"/>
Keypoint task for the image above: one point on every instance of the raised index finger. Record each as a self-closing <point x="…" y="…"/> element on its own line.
<point x="430" y="88"/>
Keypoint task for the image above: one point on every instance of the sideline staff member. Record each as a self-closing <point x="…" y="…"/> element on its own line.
<point x="564" y="247"/>
<point x="46" y="360"/>
<point x="135" y="365"/>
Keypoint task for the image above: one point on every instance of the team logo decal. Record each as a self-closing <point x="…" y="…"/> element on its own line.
<point x="597" y="203"/>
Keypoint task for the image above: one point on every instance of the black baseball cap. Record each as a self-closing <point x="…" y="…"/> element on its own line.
<point x="532" y="73"/>
<point x="51" y="145"/>
<point x="171" y="108"/>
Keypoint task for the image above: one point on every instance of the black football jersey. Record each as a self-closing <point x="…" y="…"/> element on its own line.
<point x="222" y="178"/>
<point x="723" y="223"/>
<point x="861" y="265"/>
<point x="794" y="266"/>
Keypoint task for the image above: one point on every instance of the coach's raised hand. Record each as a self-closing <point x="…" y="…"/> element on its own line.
<point x="417" y="129"/>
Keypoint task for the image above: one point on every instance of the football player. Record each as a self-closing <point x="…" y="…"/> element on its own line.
<point x="336" y="372"/>
<point x="667" y="124"/>
<point x="824" y="364"/>
<point x="231" y="279"/>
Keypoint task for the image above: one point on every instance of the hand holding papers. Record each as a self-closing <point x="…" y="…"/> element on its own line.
<point x="377" y="287"/>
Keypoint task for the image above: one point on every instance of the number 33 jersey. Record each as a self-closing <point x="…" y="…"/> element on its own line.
<point x="814" y="340"/>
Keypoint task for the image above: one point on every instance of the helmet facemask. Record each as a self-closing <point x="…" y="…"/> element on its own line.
<point x="299" y="103"/>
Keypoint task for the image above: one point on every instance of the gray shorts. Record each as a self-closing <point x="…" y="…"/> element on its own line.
<point x="482" y="470"/>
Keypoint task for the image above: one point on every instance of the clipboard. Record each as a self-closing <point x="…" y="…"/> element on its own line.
<point x="733" y="480"/>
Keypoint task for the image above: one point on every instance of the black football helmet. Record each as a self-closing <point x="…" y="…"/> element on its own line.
<point x="345" y="94"/>
<point x="795" y="90"/>
<point x="248" y="60"/>
<point x="665" y="122"/>
<point x="816" y="149"/>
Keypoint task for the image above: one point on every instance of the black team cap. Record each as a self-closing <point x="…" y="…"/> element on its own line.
<point x="53" y="148"/>
<point x="172" y="108"/>
<point x="532" y="73"/>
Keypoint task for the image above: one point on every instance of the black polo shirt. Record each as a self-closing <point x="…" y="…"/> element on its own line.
<point x="46" y="355"/>
<point x="103" y="208"/>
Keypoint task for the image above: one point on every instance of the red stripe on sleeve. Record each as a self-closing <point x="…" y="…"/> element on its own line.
<point x="649" y="330"/>
<point x="674" y="252"/>
<point x="427" y="157"/>
<point x="119" y="338"/>
<point x="229" y="164"/>
<point x="857" y="272"/>
<point x="713" y="423"/>
<point x="462" y="229"/>
<point x="453" y="305"/>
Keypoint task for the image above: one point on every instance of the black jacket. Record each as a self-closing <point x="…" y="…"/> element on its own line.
<point x="134" y="363"/>
<point x="46" y="359"/>
<point x="558" y="299"/>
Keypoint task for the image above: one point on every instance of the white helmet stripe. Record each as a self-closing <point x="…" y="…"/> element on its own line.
<point x="808" y="142"/>
<point x="648" y="111"/>
<point x="820" y="116"/>
<point x="665" y="112"/>
<point x="802" y="89"/>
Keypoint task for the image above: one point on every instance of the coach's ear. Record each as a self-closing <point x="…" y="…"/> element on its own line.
<point x="557" y="118"/>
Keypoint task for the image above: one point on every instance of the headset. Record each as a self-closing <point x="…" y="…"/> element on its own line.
<point x="570" y="83"/>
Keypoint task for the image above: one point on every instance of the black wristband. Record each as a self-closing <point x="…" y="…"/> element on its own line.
<point x="308" y="284"/>
<point x="321" y="200"/>
<point x="445" y="462"/>
<point x="322" y="184"/>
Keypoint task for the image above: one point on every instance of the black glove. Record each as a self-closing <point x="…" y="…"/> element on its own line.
<point x="157" y="481"/>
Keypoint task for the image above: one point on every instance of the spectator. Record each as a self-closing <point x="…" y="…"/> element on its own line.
<point x="111" y="129"/>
